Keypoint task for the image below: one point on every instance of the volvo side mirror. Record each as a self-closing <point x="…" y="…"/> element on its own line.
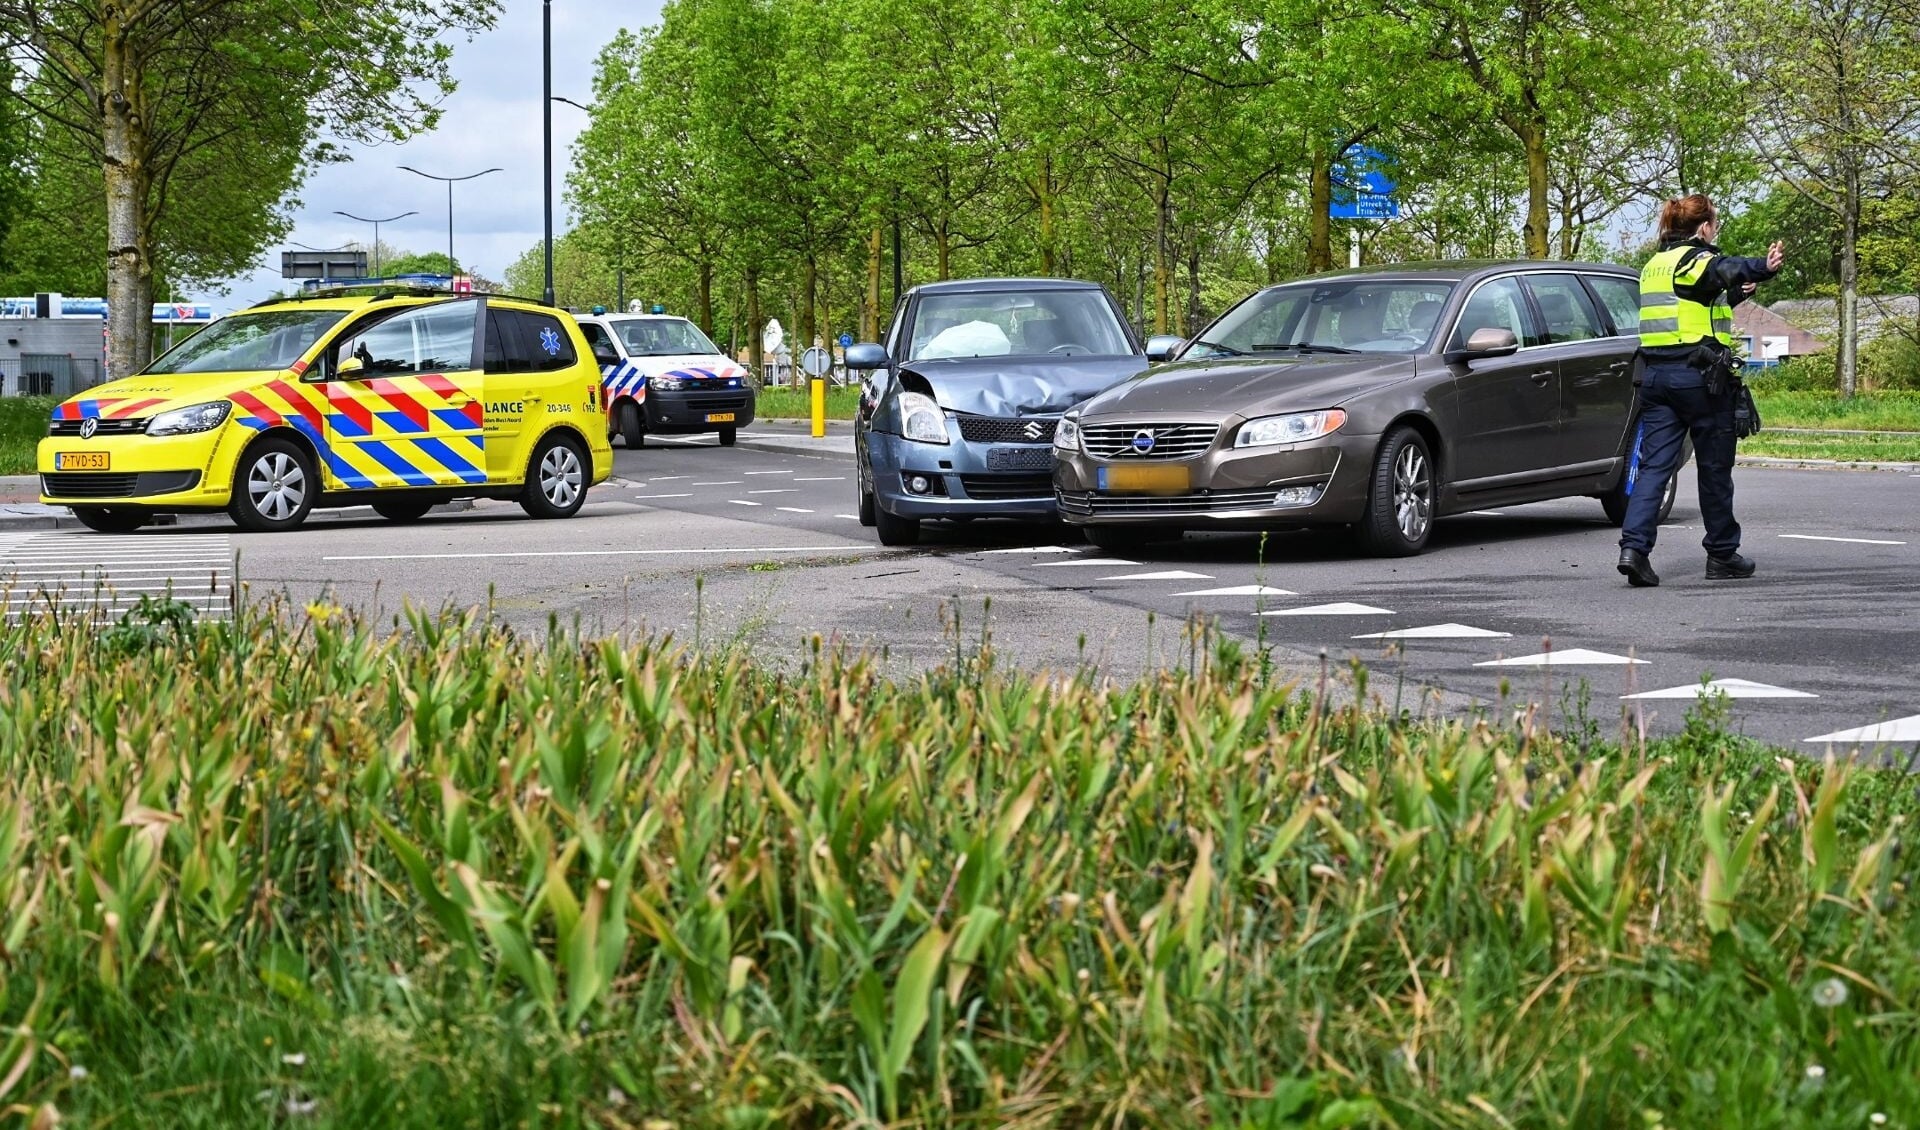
<point x="1487" y="341"/>
<point x="866" y="355"/>
<point x="1162" y="347"/>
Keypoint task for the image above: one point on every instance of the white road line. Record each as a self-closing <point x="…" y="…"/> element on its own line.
<point x="1850" y="541"/>
<point x="723" y="483"/>
<point x="1168" y="575"/>
<point x="1343" y="608"/>
<point x="779" y="490"/>
<point x="1241" y="590"/>
<point x="650" y="497"/>
<point x="1105" y="561"/>
<point x="1489" y="513"/>
<point x="1032" y="549"/>
<point x="1894" y="730"/>
<point x="789" y="471"/>
<point x="664" y="478"/>
<point x="793" y="510"/>
<point x="851" y="517"/>
<point x="742" y="502"/>
<point x="600" y="553"/>
<point x="66" y="570"/>
<point x="1732" y="688"/>
<point x="1575" y="656"/>
<point x="1438" y="632"/>
<point x="825" y="479"/>
<point x="182" y="562"/>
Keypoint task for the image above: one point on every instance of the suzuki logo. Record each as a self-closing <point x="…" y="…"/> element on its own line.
<point x="1033" y="429"/>
<point x="1142" y="441"/>
<point x="89" y="426"/>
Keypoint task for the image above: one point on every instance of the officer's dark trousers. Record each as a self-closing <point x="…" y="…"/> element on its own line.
<point x="1674" y="403"/>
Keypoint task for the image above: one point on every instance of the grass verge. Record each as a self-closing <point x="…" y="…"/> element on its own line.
<point x="792" y="403"/>
<point x="295" y="866"/>
<point x="1892" y="417"/>
<point x="23" y="424"/>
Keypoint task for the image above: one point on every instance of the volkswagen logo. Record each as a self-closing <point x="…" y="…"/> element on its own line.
<point x="1143" y="442"/>
<point x="1033" y="429"/>
<point x="89" y="426"/>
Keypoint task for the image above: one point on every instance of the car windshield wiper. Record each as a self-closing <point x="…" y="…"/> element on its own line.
<point x="1228" y="350"/>
<point x="1303" y="347"/>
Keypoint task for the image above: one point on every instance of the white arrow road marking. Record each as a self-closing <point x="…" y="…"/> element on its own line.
<point x="1032" y="549"/>
<point x="1899" y="730"/>
<point x="1732" y="688"/>
<point x="1108" y="561"/>
<point x="1341" y="609"/>
<point x="1849" y="541"/>
<point x="1438" y="632"/>
<point x="1240" y="590"/>
<point x="1169" y="575"/>
<point x="1574" y="656"/>
<point x="742" y="502"/>
<point x="793" y="510"/>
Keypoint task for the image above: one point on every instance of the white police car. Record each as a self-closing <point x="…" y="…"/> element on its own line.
<point x="661" y="375"/>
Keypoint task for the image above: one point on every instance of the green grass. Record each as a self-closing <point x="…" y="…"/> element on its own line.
<point x="1874" y="411"/>
<point x="795" y="404"/>
<point x="23" y="424"/>
<point x="448" y="876"/>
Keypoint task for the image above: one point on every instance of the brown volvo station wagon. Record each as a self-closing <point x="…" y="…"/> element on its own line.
<point x="1379" y="398"/>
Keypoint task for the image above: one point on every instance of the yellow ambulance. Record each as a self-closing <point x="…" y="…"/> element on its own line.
<point x="401" y="398"/>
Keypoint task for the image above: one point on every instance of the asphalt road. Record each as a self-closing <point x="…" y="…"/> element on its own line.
<point x="759" y="548"/>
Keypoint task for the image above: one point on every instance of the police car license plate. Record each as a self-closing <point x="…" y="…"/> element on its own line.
<point x="80" y="461"/>
<point x="1145" y="480"/>
<point x="719" y="417"/>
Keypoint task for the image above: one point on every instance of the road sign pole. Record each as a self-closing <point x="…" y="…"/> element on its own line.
<point x="1353" y="246"/>
<point x="819" y="407"/>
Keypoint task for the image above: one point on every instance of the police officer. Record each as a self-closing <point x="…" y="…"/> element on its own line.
<point x="1687" y="294"/>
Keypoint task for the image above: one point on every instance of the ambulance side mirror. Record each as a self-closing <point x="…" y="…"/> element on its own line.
<point x="350" y="367"/>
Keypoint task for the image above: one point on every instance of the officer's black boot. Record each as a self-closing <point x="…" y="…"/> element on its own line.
<point x="1731" y="568"/>
<point x="1638" y="570"/>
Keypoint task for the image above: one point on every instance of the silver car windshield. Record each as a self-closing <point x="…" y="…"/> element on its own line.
<point x="1343" y="316"/>
<point x="662" y="337"/>
<point x="246" y="343"/>
<point x="1017" y="323"/>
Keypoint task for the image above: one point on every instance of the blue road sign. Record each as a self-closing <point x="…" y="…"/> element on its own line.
<point x="1363" y="187"/>
<point x="846" y="340"/>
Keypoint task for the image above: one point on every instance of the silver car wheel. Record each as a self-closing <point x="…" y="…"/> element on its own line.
<point x="1412" y="493"/>
<point x="560" y="476"/>
<point x="277" y="486"/>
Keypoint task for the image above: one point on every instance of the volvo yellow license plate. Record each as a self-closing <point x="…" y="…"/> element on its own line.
<point x="80" y="461"/>
<point x="719" y="417"/>
<point x="1145" y="480"/>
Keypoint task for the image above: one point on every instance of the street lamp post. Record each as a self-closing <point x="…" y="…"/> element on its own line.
<point x="376" y="234"/>
<point x="619" y="268"/>
<point x="546" y="140"/>
<point x="449" y="180"/>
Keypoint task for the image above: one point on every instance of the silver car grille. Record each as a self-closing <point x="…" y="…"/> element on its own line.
<point x="1147" y="441"/>
<point x="1203" y="502"/>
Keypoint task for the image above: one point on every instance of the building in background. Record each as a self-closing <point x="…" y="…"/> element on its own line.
<point x="53" y="345"/>
<point x="1770" y="338"/>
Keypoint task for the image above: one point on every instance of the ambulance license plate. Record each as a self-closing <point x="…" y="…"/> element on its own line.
<point x="80" y="461"/>
<point x="719" y="417"/>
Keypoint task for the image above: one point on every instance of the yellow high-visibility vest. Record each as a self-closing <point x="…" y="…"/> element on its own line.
<point x="1669" y="318"/>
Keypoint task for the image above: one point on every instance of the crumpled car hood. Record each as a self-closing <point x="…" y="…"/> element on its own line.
<point x="1007" y="386"/>
<point x="1255" y="385"/>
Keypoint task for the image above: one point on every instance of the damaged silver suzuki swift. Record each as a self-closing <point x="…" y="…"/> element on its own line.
<point x="958" y="408"/>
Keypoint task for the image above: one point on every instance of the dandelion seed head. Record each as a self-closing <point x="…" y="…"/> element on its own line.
<point x="297" y="1059"/>
<point x="1816" y="1072"/>
<point x="1830" y="993"/>
<point x="76" y="1072"/>
<point x="1877" y="1118"/>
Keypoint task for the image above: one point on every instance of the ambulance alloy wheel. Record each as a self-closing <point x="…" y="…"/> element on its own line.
<point x="557" y="476"/>
<point x="274" y="486"/>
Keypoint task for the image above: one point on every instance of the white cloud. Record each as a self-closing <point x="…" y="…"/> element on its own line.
<point x="493" y="119"/>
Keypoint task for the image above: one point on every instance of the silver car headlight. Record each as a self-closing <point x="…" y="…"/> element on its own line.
<point x="1272" y="431"/>
<point x="1066" y="437"/>
<point x="666" y="384"/>
<point x="193" y="418"/>
<point x="921" y="419"/>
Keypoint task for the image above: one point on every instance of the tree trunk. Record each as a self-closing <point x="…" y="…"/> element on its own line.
<point x="755" y="358"/>
<point x="1047" y="263"/>
<point x="1319" y="205"/>
<point x="706" y="294"/>
<point x="1850" y="283"/>
<point x="1162" y="260"/>
<point x="129" y="271"/>
<point x="1273" y="253"/>
<point x="1533" y="137"/>
<point x="1195" y="315"/>
<point x="943" y="249"/>
<point x="809" y="298"/>
<point x="870" y="324"/>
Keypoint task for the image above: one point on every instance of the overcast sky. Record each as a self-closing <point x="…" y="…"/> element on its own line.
<point x="493" y="119"/>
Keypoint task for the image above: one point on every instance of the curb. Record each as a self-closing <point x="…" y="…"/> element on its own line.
<point x="1781" y="464"/>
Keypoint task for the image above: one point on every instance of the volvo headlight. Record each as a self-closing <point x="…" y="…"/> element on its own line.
<point x="921" y="418"/>
<point x="1272" y="431"/>
<point x="666" y="384"/>
<point x="193" y="418"/>
<point x="1066" y="437"/>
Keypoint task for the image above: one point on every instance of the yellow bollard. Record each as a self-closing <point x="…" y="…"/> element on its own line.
<point x="819" y="407"/>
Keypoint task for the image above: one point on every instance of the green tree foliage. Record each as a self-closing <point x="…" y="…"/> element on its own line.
<point x="200" y="116"/>
<point x="582" y="277"/>
<point x="420" y="263"/>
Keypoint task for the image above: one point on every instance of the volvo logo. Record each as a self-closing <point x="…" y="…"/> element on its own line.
<point x="1033" y="429"/>
<point x="1143" y="441"/>
<point x="89" y="426"/>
